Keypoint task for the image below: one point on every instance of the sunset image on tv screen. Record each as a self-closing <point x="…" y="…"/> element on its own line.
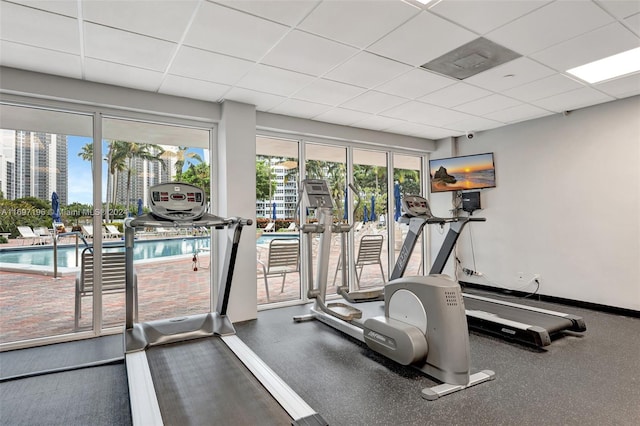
<point x="462" y="173"/>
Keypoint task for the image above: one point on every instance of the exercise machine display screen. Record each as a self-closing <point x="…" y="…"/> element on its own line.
<point x="415" y="205"/>
<point x="177" y="201"/>
<point x="317" y="193"/>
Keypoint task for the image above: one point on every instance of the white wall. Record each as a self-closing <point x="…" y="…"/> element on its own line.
<point x="566" y="206"/>
<point x="236" y="195"/>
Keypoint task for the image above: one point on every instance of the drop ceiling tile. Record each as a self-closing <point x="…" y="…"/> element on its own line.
<point x="288" y="12"/>
<point x="474" y="124"/>
<point x="296" y="108"/>
<point x="419" y="112"/>
<point x="415" y="83"/>
<point x="486" y="105"/>
<point x="262" y="101"/>
<point x="209" y="66"/>
<point x="307" y="53"/>
<point x="633" y="22"/>
<point x="46" y="30"/>
<point x="574" y="99"/>
<point x="549" y="25"/>
<point x="621" y="87"/>
<point x="485" y="16"/>
<point x="61" y="7"/>
<point x="377" y="122"/>
<point x="419" y="130"/>
<point x="220" y="29"/>
<point x="620" y="8"/>
<point x="421" y="39"/>
<point x="192" y="88"/>
<point x="277" y="81"/>
<point x="589" y="47"/>
<point x="367" y="70"/>
<point x="518" y="113"/>
<point x="373" y="102"/>
<point x="165" y="19"/>
<point x="126" y="48"/>
<point x="122" y="75"/>
<point x="352" y="23"/>
<point x="512" y="74"/>
<point x="341" y="116"/>
<point x="327" y="92"/>
<point x="543" y="88"/>
<point x="40" y="60"/>
<point x="456" y="94"/>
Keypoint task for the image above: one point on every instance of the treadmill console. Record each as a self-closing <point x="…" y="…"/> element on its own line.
<point x="177" y="201"/>
<point x="415" y="205"/>
<point x="317" y="193"/>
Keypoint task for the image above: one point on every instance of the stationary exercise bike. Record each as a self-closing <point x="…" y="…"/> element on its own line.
<point x="424" y="323"/>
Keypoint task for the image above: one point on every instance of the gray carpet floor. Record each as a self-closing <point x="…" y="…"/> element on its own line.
<point x="589" y="379"/>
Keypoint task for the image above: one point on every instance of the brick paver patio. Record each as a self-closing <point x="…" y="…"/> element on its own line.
<point x="34" y="305"/>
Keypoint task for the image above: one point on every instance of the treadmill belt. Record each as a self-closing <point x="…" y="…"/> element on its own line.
<point x="203" y="382"/>
<point x="551" y="323"/>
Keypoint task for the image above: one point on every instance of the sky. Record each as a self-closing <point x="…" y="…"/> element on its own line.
<point x="469" y="163"/>
<point x="80" y="189"/>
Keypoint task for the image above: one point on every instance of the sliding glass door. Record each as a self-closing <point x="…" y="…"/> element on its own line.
<point x="278" y="268"/>
<point x="407" y="180"/>
<point x="46" y="195"/>
<point x="172" y="265"/>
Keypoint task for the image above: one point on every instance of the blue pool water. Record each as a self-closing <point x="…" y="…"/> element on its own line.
<point x="266" y="238"/>
<point x="150" y="249"/>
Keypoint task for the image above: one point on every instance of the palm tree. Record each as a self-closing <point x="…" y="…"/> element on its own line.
<point x="182" y="157"/>
<point x="144" y="151"/>
<point x="86" y="153"/>
<point x="116" y="162"/>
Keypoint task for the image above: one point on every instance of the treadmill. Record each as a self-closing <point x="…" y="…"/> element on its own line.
<point x="194" y="369"/>
<point x="526" y="324"/>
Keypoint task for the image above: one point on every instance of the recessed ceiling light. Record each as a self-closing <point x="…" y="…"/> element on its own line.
<point x="605" y="69"/>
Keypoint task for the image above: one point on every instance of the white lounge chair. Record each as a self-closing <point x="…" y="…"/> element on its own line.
<point x="270" y="227"/>
<point x="292" y="227"/>
<point x="87" y="230"/>
<point x="26" y="233"/>
<point x="113" y="232"/>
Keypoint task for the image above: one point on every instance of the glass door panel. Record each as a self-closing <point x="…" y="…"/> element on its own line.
<point x="46" y="193"/>
<point x="277" y="179"/>
<point x="171" y="264"/>
<point x="329" y="163"/>
<point x="370" y="178"/>
<point x="407" y="178"/>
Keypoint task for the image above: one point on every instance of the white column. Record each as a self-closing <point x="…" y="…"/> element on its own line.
<point x="236" y="196"/>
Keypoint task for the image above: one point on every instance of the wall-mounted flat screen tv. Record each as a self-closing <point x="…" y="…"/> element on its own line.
<point x="462" y="173"/>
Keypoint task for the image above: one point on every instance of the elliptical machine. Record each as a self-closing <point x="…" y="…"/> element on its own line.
<point x="424" y="323"/>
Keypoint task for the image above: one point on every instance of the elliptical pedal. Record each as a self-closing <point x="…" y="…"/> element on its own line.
<point x="344" y="312"/>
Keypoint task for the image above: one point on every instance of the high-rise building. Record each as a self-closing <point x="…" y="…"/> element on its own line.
<point x="33" y="164"/>
<point x="133" y="183"/>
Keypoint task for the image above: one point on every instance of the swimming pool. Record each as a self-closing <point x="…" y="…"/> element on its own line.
<point x="142" y="250"/>
<point x="266" y="238"/>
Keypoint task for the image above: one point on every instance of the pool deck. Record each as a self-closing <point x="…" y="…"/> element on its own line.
<point x="36" y="305"/>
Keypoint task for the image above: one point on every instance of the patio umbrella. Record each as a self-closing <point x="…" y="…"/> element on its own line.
<point x="346" y="203"/>
<point x="366" y="215"/>
<point x="373" y="209"/>
<point x="273" y="214"/>
<point x="139" y="206"/>
<point x="396" y="196"/>
<point x="55" y="207"/>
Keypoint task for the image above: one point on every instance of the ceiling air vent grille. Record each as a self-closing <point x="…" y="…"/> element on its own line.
<point x="470" y="59"/>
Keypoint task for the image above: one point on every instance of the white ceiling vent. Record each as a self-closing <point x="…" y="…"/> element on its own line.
<point x="470" y="59"/>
